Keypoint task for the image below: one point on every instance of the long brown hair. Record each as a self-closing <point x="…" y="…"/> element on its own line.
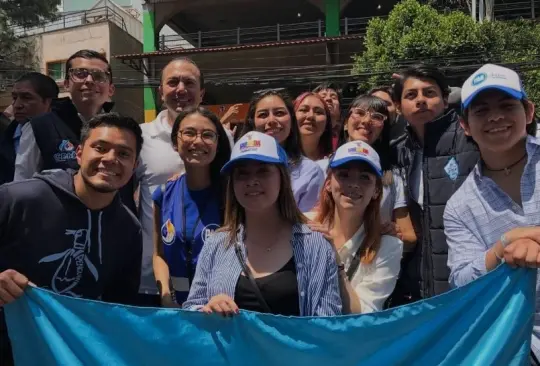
<point x="235" y="214"/>
<point x="372" y="219"/>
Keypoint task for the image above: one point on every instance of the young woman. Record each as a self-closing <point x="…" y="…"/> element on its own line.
<point x="315" y="125"/>
<point x="349" y="215"/>
<point x="271" y="112"/>
<point x="367" y="121"/>
<point x="188" y="209"/>
<point x="264" y="258"/>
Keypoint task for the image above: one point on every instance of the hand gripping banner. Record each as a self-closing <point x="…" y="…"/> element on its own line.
<point x="488" y="322"/>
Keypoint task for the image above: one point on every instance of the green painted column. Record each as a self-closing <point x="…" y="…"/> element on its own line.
<point x="149" y="45"/>
<point x="332" y="12"/>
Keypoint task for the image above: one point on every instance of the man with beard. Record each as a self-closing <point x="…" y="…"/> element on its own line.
<point x="68" y="231"/>
<point x="330" y="94"/>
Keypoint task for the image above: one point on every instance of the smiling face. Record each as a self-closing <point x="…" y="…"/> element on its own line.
<point x="422" y="101"/>
<point x="181" y="86"/>
<point x="256" y="185"/>
<point x="272" y="118"/>
<point x="197" y="140"/>
<point x="352" y="186"/>
<point x="496" y="121"/>
<point x="311" y="117"/>
<point x="364" y="124"/>
<point x="107" y="158"/>
<point x="88" y="91"/>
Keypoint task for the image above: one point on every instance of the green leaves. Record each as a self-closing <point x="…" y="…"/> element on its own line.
<point x="415" y="33"/>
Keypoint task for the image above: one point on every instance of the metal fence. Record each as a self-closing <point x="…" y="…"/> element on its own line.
<point x="77" y="19"/>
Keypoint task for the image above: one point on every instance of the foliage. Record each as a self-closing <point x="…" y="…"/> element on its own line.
<point x="415" y="33"/>
<point x="21" y="13"/>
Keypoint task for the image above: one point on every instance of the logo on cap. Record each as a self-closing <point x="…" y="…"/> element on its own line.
<point x="358" y="150"/>
<point x="250" y="144"/>
<point x="479" y="79"/>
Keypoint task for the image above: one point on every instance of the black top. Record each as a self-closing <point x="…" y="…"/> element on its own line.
<point x="280" y="290"/>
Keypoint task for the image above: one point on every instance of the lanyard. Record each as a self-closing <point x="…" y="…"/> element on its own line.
<point x="188" y="243"/>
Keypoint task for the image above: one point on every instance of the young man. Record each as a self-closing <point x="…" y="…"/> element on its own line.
<point x="181" y="86"/>
<point x="68" y="231"/>
<point x="32" y="95"/>
<point x="330" y="94"/>
<point x="49" y="142"/>
<point x="494" y="214"/>
<point x="434" y="157"/>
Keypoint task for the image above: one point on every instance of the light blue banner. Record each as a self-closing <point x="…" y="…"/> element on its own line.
<point x="488" y="322"/>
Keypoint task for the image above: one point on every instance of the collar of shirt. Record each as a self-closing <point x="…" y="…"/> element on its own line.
<point x="161" y="125"/>
<point x="298" y="229"/>
<point x="531" y="145"/>
<point x="352" y="245"/>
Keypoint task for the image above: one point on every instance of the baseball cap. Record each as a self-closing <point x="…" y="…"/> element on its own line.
<point x="356" y="151"/>
<point x="259" y="147"/>
<point x="492" y="76"/>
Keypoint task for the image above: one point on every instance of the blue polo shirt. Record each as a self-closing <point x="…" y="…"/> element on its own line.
<point x="188" y="218"/>
<point x="480" y="212"/>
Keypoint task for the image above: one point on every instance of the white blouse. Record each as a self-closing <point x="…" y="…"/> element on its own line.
<point x="374" y="282"/>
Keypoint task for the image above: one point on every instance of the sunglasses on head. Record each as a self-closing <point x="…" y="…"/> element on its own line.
<point x="99" y="76"/>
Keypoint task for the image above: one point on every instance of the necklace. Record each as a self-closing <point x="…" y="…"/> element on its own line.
<point x="508" y="169"/>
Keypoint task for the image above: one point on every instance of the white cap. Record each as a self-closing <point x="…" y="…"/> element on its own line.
<point x="356" y="151"/>
<point x="256" y="146"/>
<point x="492" y="77"/>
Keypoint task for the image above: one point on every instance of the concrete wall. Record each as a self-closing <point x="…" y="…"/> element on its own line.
<point x="129" y="100"/>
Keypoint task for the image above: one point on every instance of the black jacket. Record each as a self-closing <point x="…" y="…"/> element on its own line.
<point x="7" y="154"/>
<point x="426" y="271"/>
<point x="50" y="236"/>
<point x="58" y="134"/>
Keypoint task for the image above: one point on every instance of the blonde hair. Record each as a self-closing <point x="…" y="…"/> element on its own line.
<point x="235" y="214"/>
<point x="372" y="219"/>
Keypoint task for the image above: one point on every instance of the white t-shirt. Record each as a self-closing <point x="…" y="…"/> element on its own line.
<point x="374" y="282"/>
<point x="157" y="163"/>
<point x="392" y="199"/>
<point x="417" y="179"/>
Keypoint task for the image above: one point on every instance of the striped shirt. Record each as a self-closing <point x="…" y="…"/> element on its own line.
<point x="480" y="212"/>
<point x="218" y="271"/>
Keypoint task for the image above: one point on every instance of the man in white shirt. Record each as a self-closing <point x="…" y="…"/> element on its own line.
<point x="181" y="86"/>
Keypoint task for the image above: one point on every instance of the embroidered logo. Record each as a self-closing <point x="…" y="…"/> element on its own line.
<point x="168" y="232"/>
<point x="452" y="168"/>
<point x="479" y="79"/>
<point x="250" y="144"/>
<point x="66" y="152"/>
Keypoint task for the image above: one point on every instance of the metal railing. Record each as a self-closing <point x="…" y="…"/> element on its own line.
<point x="273" y="33"/>
<point x="77" y="19"/>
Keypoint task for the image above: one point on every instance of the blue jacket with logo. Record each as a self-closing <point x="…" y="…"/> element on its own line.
<point x="188" y="219"/>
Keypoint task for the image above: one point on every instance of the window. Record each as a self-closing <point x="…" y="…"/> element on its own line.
<point x="56" y="70"/>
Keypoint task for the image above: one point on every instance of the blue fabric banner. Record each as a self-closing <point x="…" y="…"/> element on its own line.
<point x="488" y="322"/>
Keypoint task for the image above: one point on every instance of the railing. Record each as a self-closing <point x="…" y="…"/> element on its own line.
<point x="77" y="19"/>
<point x="522" y="9"/>
<point x="231" y="37"/>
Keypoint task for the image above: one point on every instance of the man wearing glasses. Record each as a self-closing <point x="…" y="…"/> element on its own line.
<point x="50" y="140"/>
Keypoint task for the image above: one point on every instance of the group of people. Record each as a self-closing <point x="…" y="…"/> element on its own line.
<point x="302" y="211"/>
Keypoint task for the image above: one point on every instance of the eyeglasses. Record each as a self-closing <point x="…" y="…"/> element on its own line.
<point x="376" y="117"/>
<point x="209" y="137"/>
<point x="99" y="76"/>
